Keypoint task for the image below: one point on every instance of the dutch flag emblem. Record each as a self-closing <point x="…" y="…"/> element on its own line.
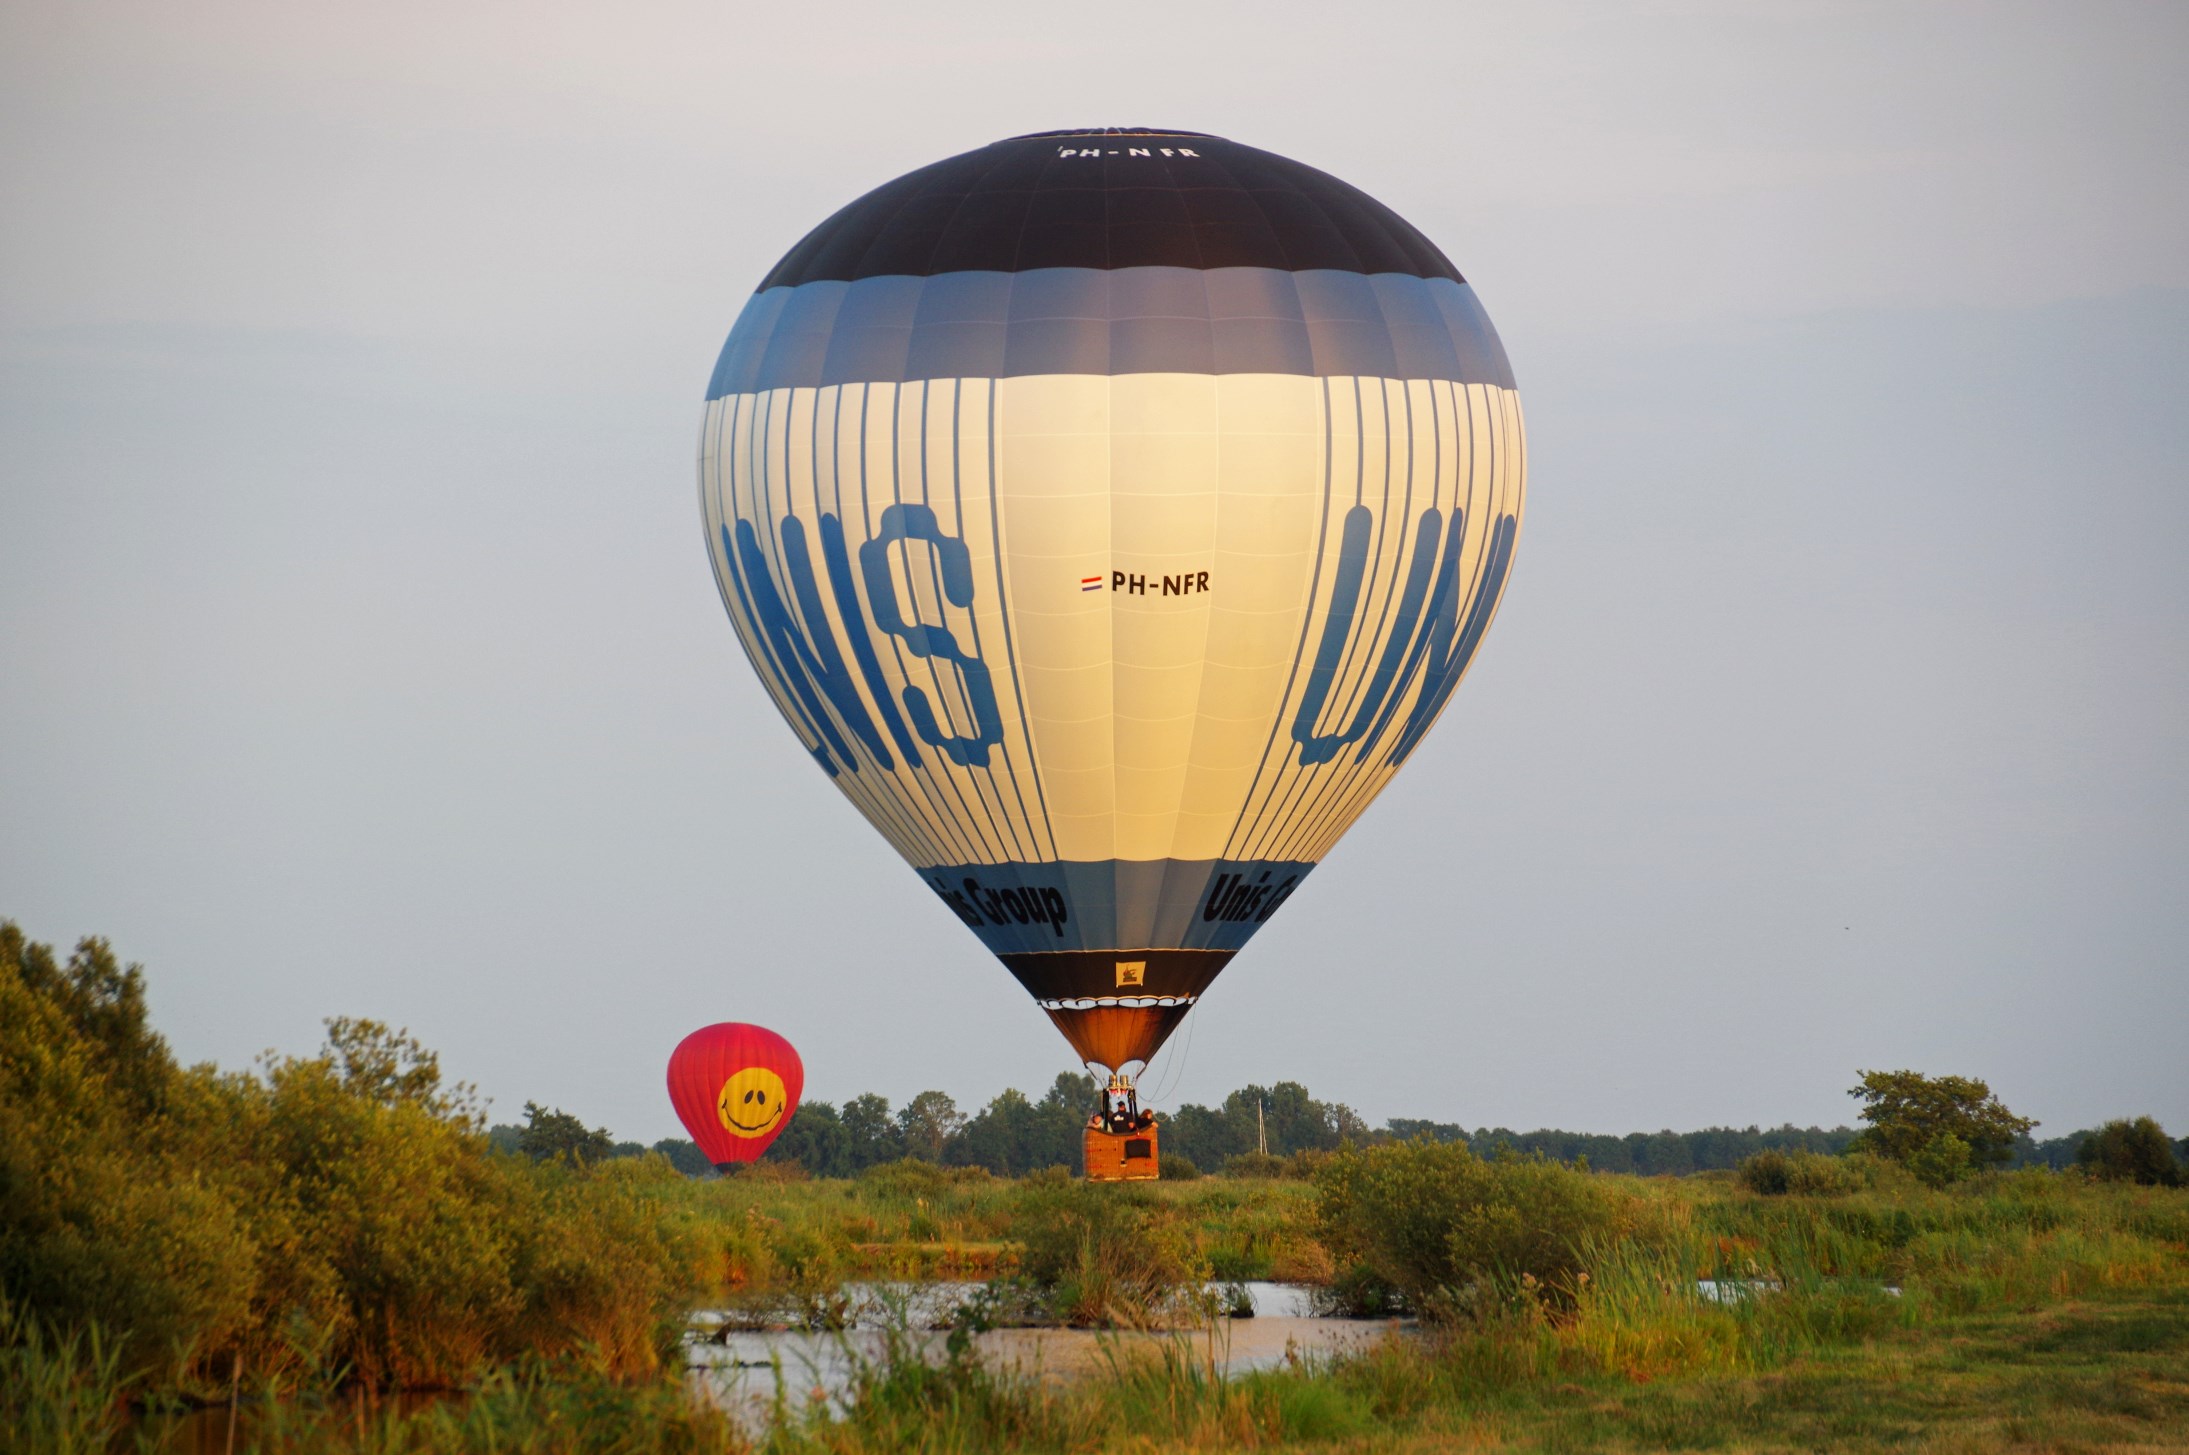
<point x="1090" y="583"/>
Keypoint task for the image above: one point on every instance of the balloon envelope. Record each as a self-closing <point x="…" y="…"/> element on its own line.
<point x="1110" y="514"/>
<point x="735" y="1087"/>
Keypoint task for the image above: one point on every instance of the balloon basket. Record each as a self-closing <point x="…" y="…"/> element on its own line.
<point x="1121" y="1156"/>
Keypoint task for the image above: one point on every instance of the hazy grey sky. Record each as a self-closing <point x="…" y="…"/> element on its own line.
<point x="359" y="653"/>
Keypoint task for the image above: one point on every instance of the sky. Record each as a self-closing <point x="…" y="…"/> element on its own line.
<point x="359" y="653"/>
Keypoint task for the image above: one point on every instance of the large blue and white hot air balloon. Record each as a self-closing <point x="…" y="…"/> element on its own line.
<point x="1110" y="513"/>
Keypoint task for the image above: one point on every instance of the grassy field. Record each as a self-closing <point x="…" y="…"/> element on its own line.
<point x="910" y="1220"/>
<point x="2031" y="1310"/>
<point x="2025" y="1311"/>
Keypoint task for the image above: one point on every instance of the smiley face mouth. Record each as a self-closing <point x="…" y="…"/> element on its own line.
<point x="760" y="1126"/>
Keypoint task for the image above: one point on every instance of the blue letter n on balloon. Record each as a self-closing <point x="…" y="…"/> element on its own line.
<point x="808" y="666"/>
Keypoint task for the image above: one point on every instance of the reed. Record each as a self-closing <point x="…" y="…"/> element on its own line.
<point x="2008" y="1310"/>
<point x="60" y="1393"/>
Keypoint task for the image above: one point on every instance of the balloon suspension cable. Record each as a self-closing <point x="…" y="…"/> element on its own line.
<point x="1175" y="1066"/>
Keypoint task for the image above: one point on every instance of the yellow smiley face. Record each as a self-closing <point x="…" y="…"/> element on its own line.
<point x="751" y="1102"/>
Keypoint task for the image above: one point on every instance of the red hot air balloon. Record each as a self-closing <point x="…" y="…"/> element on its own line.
<point x="735" y="1086"/>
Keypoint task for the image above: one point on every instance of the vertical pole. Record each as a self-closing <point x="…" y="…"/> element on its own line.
<point x="235" y="1393"/>
<point x="1261" y="1131"/>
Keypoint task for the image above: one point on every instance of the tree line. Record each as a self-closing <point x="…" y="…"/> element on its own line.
<point x="1015" y="1134"/>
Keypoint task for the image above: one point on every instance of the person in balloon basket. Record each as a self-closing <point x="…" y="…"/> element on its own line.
<point x="1119" y="1116"/>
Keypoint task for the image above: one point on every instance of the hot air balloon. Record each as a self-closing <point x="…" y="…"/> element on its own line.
<point x="735" y="1087"/>
<point x="1110" y="513"/>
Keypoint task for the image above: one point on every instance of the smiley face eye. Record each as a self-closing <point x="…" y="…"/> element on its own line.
<point x="749" y="1096"/>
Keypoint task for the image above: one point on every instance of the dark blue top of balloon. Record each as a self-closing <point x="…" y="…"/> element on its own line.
<point x="1110" y="198"/>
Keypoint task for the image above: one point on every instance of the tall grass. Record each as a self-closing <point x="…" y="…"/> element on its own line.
<point x="2002" y="1237"/>
<point x="913" y="1220"/>
<point x="1171" y="1393"/>
<point x="506" y="1414"/>
<point x="1626" y="1349"/>
<point x="60" y="1393"/>
<point x="1108" y="1255"/>
<point x="1850" y="1286"/>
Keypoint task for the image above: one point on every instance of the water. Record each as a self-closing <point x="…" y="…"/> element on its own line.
<point x="735" y="1362"/>
<point x="932" y="1306"/>
<point x="1739" y="1290"/>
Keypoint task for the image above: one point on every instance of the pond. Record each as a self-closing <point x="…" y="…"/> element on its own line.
<point x="737" y="1364"/>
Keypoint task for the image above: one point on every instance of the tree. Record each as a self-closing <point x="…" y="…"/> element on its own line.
<point x="1000" y="1137"/>
<point x="1064" y="1108"/>
<point x="2057" y="1153"/>
<point x="391" y="1068"/>
<point x="1288" y="1117"/>
<point x="815" y="1140"/>
<point x="1908" y="1113"/>
<point x="1013" y="1135"/>
<point x="927" y="1124"/>
<point x="1296" y="1121"/>
<point x="1204" y="1135"/>
<point x="684" y="1155"/>
<point x="103" y="1003"/>
<point x="1640" y="1152"/>
<point x="1663" y="1154"/>
<point x="872" y="1134"/>
<point x="549" y="1134"/>
<point x="2130" y="1151"/>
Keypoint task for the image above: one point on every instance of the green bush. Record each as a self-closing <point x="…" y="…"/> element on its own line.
<point x="1178" y="1167"/>
<point x="1767" y="1172"/>
<point x="1106" y="1253"/>
<point x="1303" y="1164"/>
<point x="105" y="1216"/>
<point x="1356" y="1291"/>
<point x="341" y="1214"/>
<point x="1805" y="1174"/>
<point x="1442" y="1228"/>
<point x="2130" y="1151"/>
<point x="914" y="1180"/>
<point x="1942" y="1160"/>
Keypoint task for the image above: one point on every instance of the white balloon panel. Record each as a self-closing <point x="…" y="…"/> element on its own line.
<point x="1113" y="659"/>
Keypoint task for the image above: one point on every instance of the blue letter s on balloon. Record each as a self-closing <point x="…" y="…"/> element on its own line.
<point x="954" y="564"/>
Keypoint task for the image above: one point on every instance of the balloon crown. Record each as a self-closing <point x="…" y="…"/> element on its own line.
<point x="1114" y="131"/>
